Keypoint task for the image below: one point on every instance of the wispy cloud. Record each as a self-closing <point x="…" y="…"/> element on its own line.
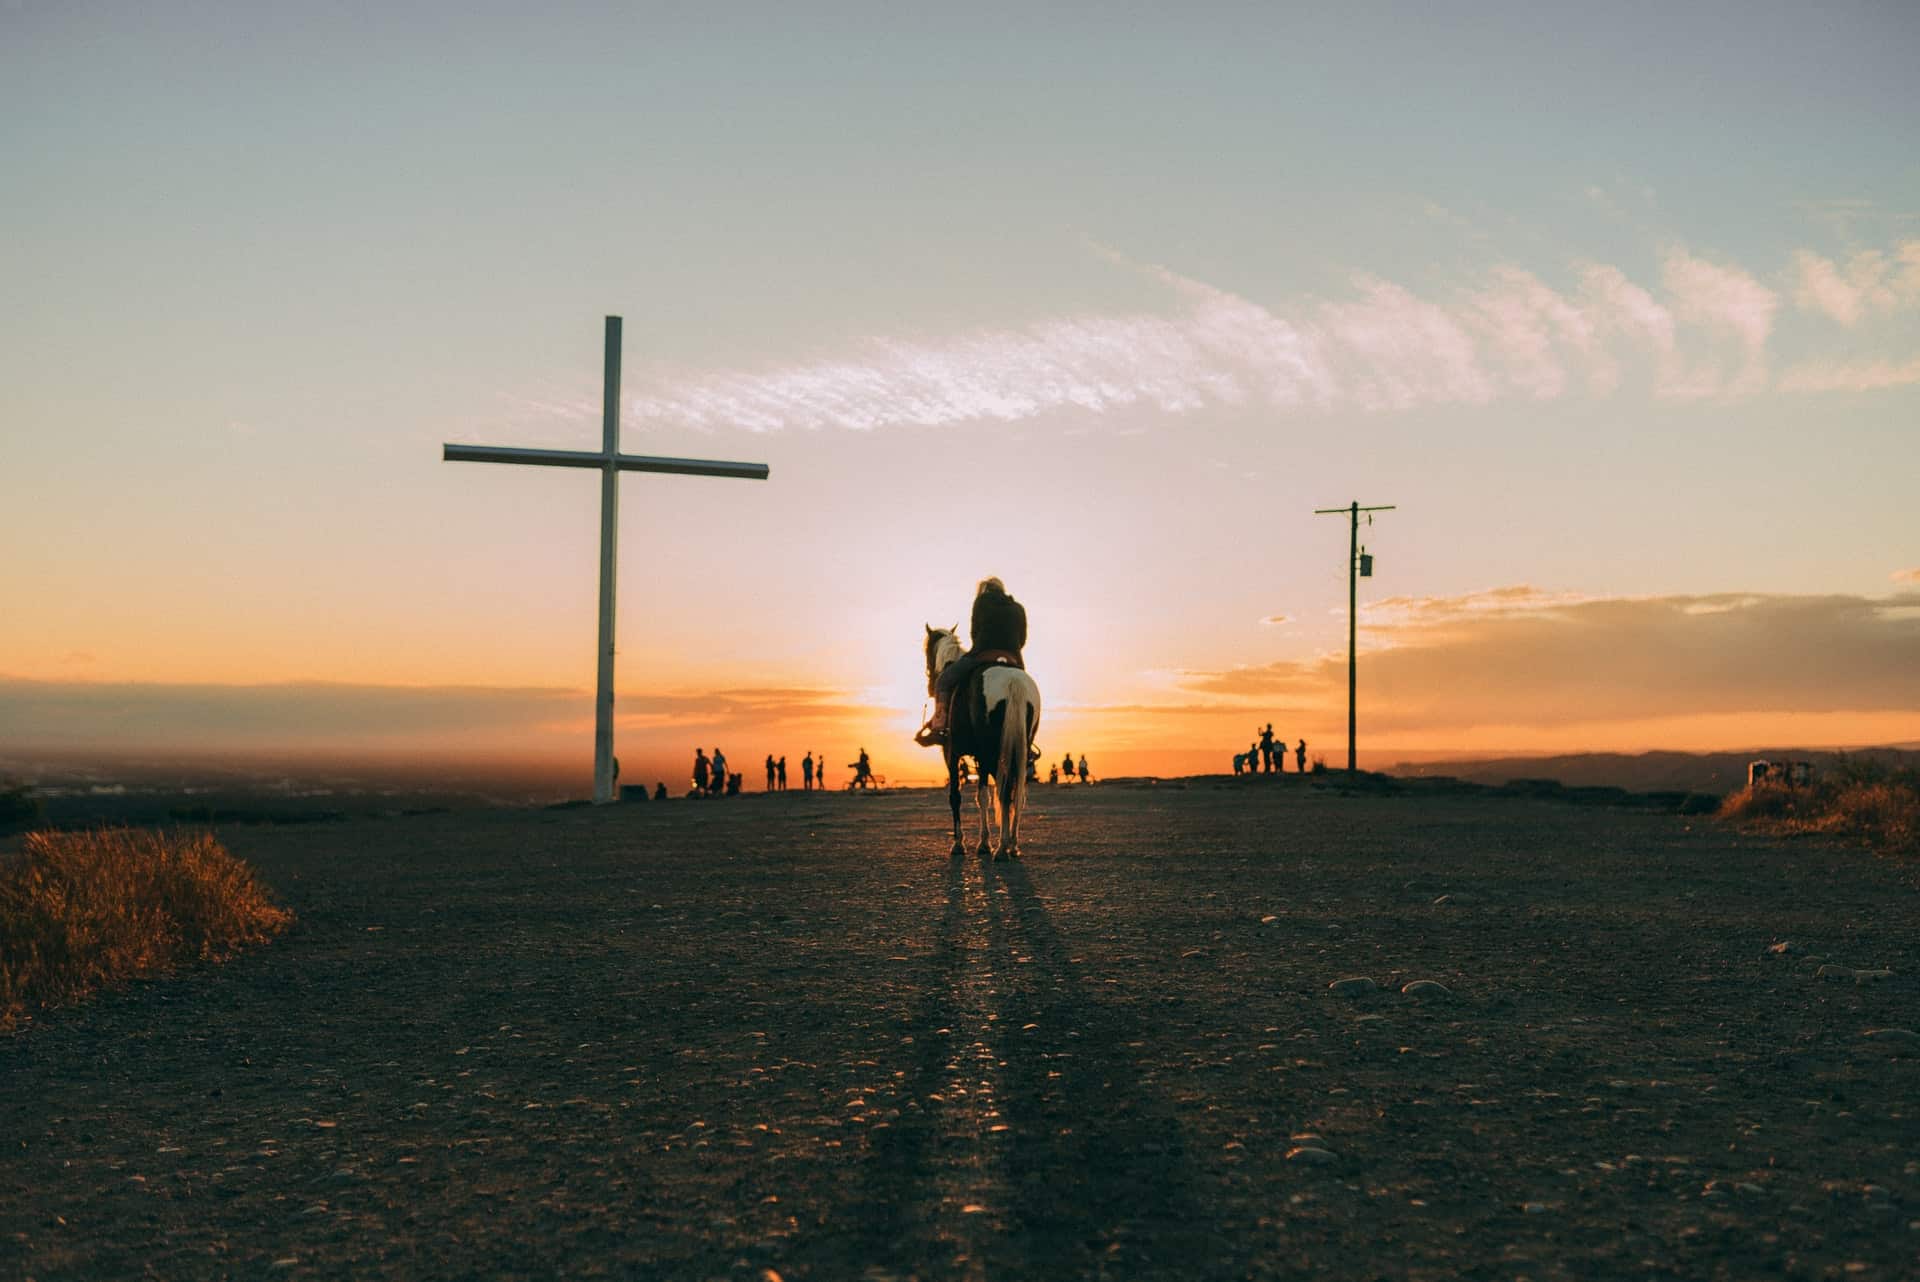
<point x="1704" y="331"/>
<point x="1725" y="302"/>
<point x="1870" y="282"/>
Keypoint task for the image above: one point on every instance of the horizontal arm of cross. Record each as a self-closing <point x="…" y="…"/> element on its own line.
<point x="587" y="458"/>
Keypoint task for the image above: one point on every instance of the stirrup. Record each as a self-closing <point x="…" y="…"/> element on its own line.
<point x="930" y="737"/>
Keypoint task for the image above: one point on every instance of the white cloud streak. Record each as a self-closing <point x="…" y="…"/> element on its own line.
<point x="1868" y="284"/>
<point x="1703" y="334"/>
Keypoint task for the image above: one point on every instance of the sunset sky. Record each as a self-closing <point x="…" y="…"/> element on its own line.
<point x="1619" y="305"/>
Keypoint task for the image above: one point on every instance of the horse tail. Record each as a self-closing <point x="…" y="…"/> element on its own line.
<point x="1017" y="732"/>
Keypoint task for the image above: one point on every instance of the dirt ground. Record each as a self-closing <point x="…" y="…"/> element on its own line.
<point x="709" y="1040"/>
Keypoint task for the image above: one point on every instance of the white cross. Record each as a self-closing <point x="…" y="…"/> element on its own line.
<point x="611" y="463"/>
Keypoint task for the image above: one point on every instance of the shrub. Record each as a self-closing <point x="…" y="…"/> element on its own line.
<point x="1864" y="800"/>
<point x="1762" y="801"/>
<point x="86" y="909"/>
<point x="1885" y="814"/>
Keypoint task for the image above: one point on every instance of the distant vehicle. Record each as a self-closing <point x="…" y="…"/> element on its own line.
<point x="1780" y="774"/>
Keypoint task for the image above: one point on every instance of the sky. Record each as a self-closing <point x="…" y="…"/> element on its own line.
<point x="1619" y="306"/>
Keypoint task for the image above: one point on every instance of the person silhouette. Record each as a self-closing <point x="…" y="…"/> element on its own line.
<point x="1053" y="775"/>
<point x="702" y="770"/>
<point x="660" y="791"/>
<point x="718" y="782"/>
<point x="1300" y="757"/>
<point x="806" y="773"/>
<point x="819" y="769"/>
<point x="780" y="771"/>
<point x="1083" y="768"/>
<point x="1066" y="766"/>
<point x="771" y="772"/>
<point x="1266" y="747"/>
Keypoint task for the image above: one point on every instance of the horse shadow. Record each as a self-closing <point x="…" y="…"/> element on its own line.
<point x="1082" y="1166"/>
<point x="1105" y="1181"/>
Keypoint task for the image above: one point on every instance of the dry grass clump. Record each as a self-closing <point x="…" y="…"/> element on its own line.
<point x="1767" y="801"/>
<point x="1886" y="814"/>
<point x="84" y="909"/>
<point x="1862" y="799"/>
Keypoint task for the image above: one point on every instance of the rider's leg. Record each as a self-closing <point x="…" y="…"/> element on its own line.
<point x="952" y="677"/>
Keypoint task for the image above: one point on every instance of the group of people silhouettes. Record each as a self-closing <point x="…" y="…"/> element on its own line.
<point x="1268" y="755"/>
<point x="713" y="778"/>
<point x="1066" y="770"/>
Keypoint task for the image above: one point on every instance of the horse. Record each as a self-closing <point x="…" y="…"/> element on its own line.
<point x="993" y="720"/>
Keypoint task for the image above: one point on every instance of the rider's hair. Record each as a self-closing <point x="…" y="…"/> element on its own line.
<point x="990" y="585"/>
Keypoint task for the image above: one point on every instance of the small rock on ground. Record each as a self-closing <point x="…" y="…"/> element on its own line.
<point x="1311" y="1156"/>
<point x="1353" y="986"/>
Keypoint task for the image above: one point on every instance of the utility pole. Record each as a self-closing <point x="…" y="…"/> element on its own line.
<point x="1352" y="512"/>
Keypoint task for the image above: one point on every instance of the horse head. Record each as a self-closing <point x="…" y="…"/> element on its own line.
<point x="943" y="647"/>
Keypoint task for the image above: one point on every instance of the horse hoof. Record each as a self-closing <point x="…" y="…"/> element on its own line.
<point x="1010" y="854"/>
<point x="959" y="851"/>
<point x="983" y="850"/>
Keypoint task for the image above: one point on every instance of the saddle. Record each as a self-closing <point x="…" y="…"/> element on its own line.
<point x="974" y="693"/>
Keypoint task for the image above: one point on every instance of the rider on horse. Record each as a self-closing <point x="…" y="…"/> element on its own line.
<point x="998" y="629"/>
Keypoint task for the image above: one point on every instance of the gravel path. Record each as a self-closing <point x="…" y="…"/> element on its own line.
<point x="712" y="1040"/>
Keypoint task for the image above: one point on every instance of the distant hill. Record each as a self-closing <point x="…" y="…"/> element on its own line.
<point x="1718" y="772"/>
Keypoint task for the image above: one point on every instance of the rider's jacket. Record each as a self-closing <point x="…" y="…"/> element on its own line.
<point x="999" y="623"/>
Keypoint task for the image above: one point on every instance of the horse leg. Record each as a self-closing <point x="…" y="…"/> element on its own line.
<point x="953" y="801"/>
<point x="1013" y="794"/>
<point x="986" y="818"/>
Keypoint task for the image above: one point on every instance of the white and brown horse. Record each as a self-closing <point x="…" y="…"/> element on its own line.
<point x="993" y="720"/>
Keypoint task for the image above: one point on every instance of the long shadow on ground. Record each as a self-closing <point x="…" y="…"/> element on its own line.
<point x="1102" y="1178"/>
<point x="1029" y="1145"/>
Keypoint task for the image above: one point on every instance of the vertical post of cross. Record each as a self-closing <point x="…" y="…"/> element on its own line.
<point x="605" y="788"/>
